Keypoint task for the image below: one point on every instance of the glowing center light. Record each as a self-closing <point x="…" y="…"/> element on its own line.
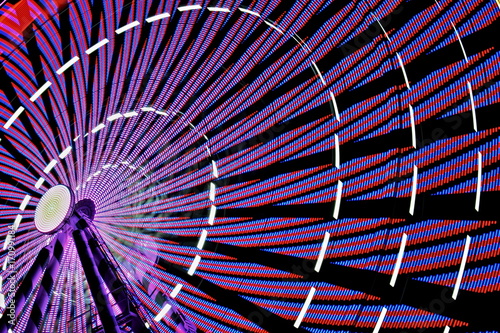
<point x="54" y="208"/>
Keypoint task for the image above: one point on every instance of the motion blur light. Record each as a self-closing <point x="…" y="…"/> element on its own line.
<point x="53" y="209"/>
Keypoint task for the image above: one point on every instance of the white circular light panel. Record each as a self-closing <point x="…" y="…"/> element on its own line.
<point x="53" y="209"/>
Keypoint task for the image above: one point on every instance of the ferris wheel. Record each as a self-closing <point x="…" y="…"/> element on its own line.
<point x="249" y="166"/>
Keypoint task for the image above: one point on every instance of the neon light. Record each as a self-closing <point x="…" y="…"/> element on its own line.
<point x="157" y="17"/>
<point x="186" y="8"/>
<point x="413" y="130"/>
<point x="65" y="152"/>
<point x="380" y="320"/>
<point x="127" y="27"/>
<point x="50" y="166"/>
<point x="203" y="237"/>
<point x="479" y="180"/>
<point x="305" y="307"/>
<point x="97" y="46"/>
<point x="462" y="268"/>
<point x="249" y="12"/>
<point x="211" y="216"/>
<point x="398" y="260"/>
<point x="338" y="197"/>
<point x="67" y="65"/>
<point x="322" y="252"/>
<point x="14" y="117"/>
<point x="25" y="202"/>
<point x="218" y="9"/>
<point x="413" y="190"/>
<point x="98" y="128"/>
<point x="40" y="91"/>
<point x="473" y="106"/>
<point x="115" y="116"/>
<point x="39" y="182"/>
<point x="176" y="291"/>
<point x="194" y="265"/>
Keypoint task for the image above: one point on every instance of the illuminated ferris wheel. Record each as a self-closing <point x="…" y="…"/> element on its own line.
<point x="249" y="166"/>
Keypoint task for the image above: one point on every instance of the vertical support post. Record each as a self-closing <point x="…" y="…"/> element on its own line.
<point x="27" y="285"/>
<point x="115" y="285"/>
<point x="48" y="280"/>
<point x="106" y="313"/>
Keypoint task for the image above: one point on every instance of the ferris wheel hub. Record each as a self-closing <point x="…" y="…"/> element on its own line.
<point x="54" y="209"/>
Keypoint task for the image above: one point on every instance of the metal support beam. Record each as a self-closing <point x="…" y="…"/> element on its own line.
<point x="49" y="277"/>
<point x="27" y="285"/>
<point x="106" y="313"/>
<point x="115" y="285"/>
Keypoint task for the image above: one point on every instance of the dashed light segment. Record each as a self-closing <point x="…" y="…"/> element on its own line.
<point x="97" y="46"/>
<point x="157" y="17"/>
<point x="251" y="12"/>
<point x="473" y="106"/>
<point x="305" y="307"/>
<point x="399" y="259"/>
<point x="40" y="91"/>
<point x="194" y="265"/>
<point x="186" y="8"/>
<point x="413" y="129"/>
<point x="130" y="114"/>
<point x="25" y="202"/>
<point x="381" y="27"/>
<point x="404" y="71"/>
<point x="335" y="107"/>
<point x="50" y="166"/>
<point x="67" y="65"/>
<point x="176" y="290"/>
<point x="462" y="268"/>
<point x="322" y="252"/>
<point x="380" y="320"/>
<point x="338" y="198"/>
<point x="211" y="215"/>
<point x="39" y="183"/>
<point x="413" y="190"/>
<point x="202" y="239"/>
<point x="274" y="27"/>
<point x="65" y="152"/>
<point x="127" y="27"/>
<point x="163" y="312"/>
<point x="13" y="118"/>
<point x="212" y="192"/>
<point x="460" y="42"/>
<point x="5" y="263"/>
<point x="215" y="171"/>
<point x="318" y="72"/>
<point x="479" y="180"/>
<point x="115" y="116"/>
<point x="337" y="151"/>
<point x="17" y="222"/>
<point x="98" y="128"/>
<point x="218" y="9"/>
